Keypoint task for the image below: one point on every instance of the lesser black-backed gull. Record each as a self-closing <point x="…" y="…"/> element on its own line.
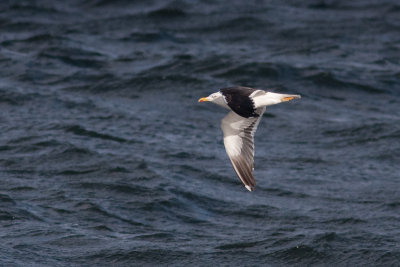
<point x="246" y="106"/>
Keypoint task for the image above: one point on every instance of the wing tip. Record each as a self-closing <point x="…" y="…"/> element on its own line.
<point x="250" y="188"/>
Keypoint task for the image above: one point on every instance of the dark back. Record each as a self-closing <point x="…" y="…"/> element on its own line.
<point x="238" y="99"/>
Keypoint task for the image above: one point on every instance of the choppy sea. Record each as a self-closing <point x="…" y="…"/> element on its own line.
<point x="107" y="159"/>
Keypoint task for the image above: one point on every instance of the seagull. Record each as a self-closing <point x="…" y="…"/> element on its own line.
<point x="246" y="106"/>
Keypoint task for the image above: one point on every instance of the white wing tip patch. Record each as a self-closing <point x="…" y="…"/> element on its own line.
<point x="249" y="188"/>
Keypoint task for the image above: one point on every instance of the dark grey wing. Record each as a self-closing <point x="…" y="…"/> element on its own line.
<point x="239" y="144"/>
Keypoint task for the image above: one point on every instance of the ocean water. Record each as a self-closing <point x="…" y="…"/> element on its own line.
<point x="106" y="158"/>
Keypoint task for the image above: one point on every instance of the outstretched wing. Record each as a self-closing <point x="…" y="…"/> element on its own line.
<point x="239" y="144"/>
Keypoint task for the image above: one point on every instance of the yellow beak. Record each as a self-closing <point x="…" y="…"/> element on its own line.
<point x="203" y="99"/>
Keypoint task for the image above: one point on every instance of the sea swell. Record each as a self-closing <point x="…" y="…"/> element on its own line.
<point x="107" y="158"/>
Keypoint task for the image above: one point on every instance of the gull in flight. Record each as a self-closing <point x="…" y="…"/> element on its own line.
<point x="246" y="106"/>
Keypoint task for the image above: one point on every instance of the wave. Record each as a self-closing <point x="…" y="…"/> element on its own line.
<point x="79" y="130"/>
<point x="74" y="57"/>
<point x="167" y="12"/>
<point x="364" y="134"/>
<point x="302" y="254"/>
<point x="328" y="79"/>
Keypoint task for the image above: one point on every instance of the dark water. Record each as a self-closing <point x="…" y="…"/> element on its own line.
<point x="108" y="159"/>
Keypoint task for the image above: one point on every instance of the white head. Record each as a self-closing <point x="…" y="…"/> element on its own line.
<point x="216" y="98"/>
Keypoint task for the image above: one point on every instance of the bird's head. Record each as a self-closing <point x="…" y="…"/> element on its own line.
<point x="215" y="97"/>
